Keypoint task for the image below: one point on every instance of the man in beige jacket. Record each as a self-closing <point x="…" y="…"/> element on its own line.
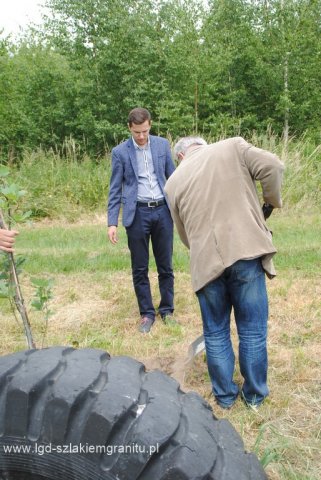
<point x="216" y="209"/>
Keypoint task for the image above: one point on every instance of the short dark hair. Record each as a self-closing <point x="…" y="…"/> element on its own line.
<point x="138" y="116"/>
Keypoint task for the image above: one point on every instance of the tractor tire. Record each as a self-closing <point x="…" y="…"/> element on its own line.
<point x="69" y="414"/>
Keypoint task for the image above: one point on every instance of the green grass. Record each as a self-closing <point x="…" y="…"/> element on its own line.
<point x="72" y="249"/>
<point x="76" y="248"/>
<point x="297" y="238"/>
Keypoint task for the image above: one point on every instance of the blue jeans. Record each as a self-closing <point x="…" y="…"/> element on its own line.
<point x="241" y="286"/>
<point x="153" y="224"/>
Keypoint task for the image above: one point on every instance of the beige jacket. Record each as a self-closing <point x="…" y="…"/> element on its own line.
<point x="216" y="209"/>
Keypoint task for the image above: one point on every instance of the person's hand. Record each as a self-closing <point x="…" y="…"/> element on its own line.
<point x="267" y="209"/>
<point x="112" y="234"/>
<point x="7" y="239"/>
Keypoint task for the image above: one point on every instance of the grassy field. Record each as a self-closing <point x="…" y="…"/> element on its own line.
<point x="94" y="306"/>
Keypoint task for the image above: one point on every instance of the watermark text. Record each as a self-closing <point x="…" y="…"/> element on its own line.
<point x="81" y="448"/>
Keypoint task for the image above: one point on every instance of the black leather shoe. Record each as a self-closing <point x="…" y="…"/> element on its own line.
<point x="145" y="324"/>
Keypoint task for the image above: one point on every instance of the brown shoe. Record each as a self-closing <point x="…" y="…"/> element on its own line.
<point x="145" y="324"/>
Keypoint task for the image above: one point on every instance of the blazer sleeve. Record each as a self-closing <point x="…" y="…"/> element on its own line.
<point x="268" y="169"/>
<point x="175" y="214"/>
<point x="180" y="227"/>
<point x="169" y="166"/>
<point x="115" y="189"/>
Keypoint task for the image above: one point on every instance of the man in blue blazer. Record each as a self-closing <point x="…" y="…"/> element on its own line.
<point x="140" y="167"/>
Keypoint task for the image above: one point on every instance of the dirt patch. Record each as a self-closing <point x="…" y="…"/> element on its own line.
<point x="175" y="367"/>
<point x="84" y="219"/>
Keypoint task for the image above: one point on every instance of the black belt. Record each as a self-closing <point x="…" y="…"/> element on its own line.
<point x="152" y="203"/>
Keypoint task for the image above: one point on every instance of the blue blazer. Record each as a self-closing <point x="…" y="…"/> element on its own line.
<point x="123" y="188"/>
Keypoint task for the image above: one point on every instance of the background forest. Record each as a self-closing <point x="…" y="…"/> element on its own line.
<point x="222" y="68"/>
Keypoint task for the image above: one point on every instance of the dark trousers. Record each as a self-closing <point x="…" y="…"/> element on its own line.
<point x="155" y="224"/>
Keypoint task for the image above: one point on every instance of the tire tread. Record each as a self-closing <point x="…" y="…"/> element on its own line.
<point x="83" y="397"/>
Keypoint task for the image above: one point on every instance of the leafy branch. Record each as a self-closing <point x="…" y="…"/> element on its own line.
<point x="10" y="196"/>
<point x="42" y="297"/>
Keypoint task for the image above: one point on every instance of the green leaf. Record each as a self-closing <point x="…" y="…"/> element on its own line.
<point x="37" y="304"/>
<point x="19" y="260"/>
<point x="5" y="290"/>
<point x="21" y="217"/>
<point x="4" y="171"/>
<point x="4" y="266"/>
<point x="27" y="215"/>
<point x="3" y="203"/>
<point x="11" y="192"/>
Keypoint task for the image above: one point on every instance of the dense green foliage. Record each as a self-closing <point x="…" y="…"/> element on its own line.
<point x="227" y="67"/>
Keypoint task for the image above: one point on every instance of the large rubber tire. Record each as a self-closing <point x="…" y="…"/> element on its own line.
<point x="65" y="399"/>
